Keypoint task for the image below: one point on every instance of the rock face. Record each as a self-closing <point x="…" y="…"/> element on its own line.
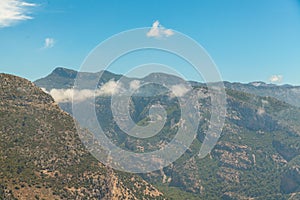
<point x="234" y="156"/>
<point x="42" y="157"/>
<point x="257" y="156"/>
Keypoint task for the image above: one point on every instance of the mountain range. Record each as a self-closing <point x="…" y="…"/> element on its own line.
<point x="43" y="157"/>
<point x="256" y="157"/>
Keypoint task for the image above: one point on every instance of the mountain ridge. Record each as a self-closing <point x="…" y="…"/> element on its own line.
<point x="66" y="77"/>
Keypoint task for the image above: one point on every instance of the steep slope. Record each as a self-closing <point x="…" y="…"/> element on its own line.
<point x="42" y="157"/>
<point x="256" y="157"/>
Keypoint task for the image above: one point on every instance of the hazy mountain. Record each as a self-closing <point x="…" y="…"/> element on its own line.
<point x="287" y="93"/>
<point x="64" y="78"/>
<point x="257" y="156"/>
<point x="42" y="157"/>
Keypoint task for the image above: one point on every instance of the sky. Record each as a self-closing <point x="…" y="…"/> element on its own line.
<point x="249" y="40"/>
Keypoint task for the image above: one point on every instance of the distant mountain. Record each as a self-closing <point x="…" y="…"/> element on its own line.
<point x="64" y="78"/>
<point x="257" y="156"/>
<point x="286" y="93"/>
<point x="42" y="157"/>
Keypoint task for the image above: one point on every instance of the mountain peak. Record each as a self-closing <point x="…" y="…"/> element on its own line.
<point x="68" y="73"/>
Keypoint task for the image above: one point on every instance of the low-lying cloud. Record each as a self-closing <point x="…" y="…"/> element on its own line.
<point x="179" y="90"/>
<point x="66" y="95"/>
<point x="134" y="85"/>
<point x="110" y="88"/>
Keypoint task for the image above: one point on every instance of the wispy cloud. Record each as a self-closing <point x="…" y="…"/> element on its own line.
<point x="276" y="78"/>
<point x="13" y="11"/>
<point x="49" y="43"/>
<point x="158" y="31"/>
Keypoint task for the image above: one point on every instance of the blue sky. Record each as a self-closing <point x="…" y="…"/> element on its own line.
<point x="249" y="40"/>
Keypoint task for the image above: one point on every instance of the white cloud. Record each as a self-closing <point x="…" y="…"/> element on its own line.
<point x="66" y="95"/>
<point x="49" y="43"/>
<point x="13" y="11"/>
<point x="134" y="85"/>
<point x="276" y="78"/>
<point x="109" y="88"/>
<point x="159" y="31"/>
<point x="179" y="90"/>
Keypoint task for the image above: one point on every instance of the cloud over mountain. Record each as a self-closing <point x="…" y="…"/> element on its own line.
<point x="179" y="90"/>
<point x="66" y="95"/>
<point x="276" y="78"/>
